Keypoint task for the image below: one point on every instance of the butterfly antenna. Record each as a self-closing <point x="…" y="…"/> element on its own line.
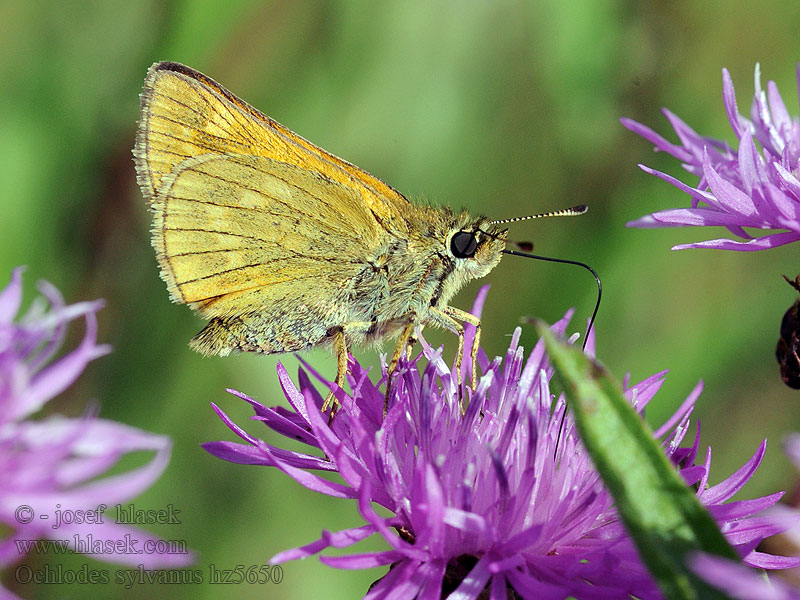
<point x="573" y="211"/>
<point x="570" y="262"/>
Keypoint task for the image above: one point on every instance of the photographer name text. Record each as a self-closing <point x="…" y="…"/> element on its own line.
<point x="127" y="515"/>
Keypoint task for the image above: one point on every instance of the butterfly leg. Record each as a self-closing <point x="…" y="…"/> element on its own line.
<point x="412" y="341"/>
<point x="339" y="335"/>
<point x="402" y="344"/>
<point x="445" y="320"/>
<point x="340" y="348"/>
<point x="451" y="318"/>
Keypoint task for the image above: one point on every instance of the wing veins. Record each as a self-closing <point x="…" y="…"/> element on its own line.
<point x="197" y="112"/>
<point x="294" y="253"/>
<point x="240" y="235"/>
<point x="264" y="211"/>
<point x="234" y="115"/>
<point x="209" y="251"/>
<point x="191" y="141"/>
<point x="287" y="182"/>
<point x="183" y="104"/>
<point x="235" y="120"/>
<point x="218" y="273"/>
<point x="261" y="192"/>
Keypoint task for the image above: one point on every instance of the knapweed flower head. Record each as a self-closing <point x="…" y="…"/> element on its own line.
<point x="499" y="497"/>
<point x="737" y="580"/>
<point x="53" y="466"/>
<point x="755" y="186"/>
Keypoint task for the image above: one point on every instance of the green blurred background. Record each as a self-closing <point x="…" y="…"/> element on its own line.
<point x="505" y="108"/>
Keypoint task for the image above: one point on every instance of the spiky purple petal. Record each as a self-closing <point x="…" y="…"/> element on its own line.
<point x="58" y="463"/>
<point x="751" y="188"/>
<point x="503" y="490"/>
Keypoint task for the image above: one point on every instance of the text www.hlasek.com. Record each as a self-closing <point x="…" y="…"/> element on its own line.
<point x="88" y="544"/>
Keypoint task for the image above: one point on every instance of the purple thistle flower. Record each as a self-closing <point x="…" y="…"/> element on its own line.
<point x="740" y="582"/>
<point x="737" y="581"/>
<point x="502" y="497"/>
<point x="56" y="463"/>
<point x="737" y="189"/>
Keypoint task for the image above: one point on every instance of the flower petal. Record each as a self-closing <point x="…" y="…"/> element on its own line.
<point x="762" y="243"/>
<point x="11" y="297"/>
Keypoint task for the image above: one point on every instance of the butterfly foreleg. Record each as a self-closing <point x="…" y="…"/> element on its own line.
<point x="451" y="318"/>
<point x="402" y="344"/>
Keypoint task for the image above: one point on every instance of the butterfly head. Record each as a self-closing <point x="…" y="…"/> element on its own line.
<point x="476" y="247"/>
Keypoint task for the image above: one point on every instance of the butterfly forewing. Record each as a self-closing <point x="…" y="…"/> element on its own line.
<point x="186" y="114"/>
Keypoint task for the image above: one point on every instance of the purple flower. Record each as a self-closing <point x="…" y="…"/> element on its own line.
<point x="746" y="188"/>
<point x="56" y="463"/>
<point x="502" y="496"/>
<point x="740" y="582"/>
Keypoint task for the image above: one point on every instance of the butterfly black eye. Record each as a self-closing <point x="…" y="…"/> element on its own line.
<point x="463" y="244"/>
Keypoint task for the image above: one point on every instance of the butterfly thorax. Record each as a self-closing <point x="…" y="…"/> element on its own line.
<point x="407" y="277"/>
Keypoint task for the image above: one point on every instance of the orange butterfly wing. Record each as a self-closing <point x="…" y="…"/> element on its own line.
<point x="186" y="114"/>
<point x="254" y="227"/>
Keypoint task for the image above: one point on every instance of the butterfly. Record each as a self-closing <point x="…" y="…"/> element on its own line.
<point x="283" y="246"/>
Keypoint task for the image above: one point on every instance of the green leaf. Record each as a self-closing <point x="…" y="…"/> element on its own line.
<point x="660" y="512"/>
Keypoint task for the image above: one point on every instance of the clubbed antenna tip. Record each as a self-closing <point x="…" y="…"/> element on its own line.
<point x="572" y="211"/>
